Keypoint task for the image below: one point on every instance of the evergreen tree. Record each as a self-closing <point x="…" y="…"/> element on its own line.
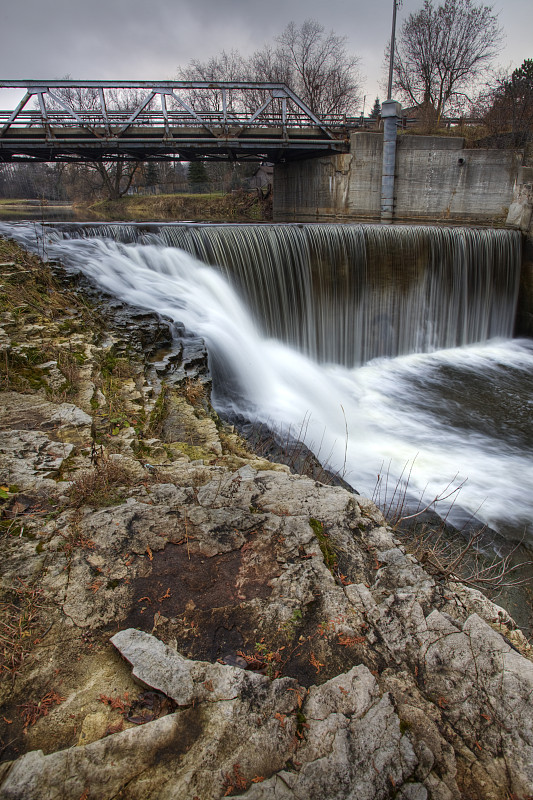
<point x="512" y="105"/>
<point x="376" y="109"/>
<point x="151" y="178"/>
<point x="197" y="177"/>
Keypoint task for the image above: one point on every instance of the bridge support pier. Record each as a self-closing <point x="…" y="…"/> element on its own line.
<point x="390" y="112"/>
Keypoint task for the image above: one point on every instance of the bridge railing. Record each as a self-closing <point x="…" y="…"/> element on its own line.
<point x="115" y="119"/>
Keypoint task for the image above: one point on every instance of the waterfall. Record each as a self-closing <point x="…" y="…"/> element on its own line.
<point x="346" y="294"/>
<point x="291" y="310"/>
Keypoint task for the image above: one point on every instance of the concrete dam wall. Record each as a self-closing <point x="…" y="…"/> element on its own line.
<point x="436" y="179"/>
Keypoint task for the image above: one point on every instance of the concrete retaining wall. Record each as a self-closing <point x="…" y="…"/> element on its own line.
<point x="437" y="179"/>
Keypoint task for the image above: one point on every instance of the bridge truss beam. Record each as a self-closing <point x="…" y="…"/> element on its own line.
<point x="73" y="121"/>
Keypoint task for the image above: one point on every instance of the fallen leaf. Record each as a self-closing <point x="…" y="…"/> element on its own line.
<point x="349" y="641"/>
<point x="141" y="720"/>
<point x="315" y="662"/>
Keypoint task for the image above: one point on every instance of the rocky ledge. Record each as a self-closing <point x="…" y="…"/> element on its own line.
<point x="183" y="619"/>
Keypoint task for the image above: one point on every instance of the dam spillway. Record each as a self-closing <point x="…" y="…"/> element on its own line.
<point x="346" y="294"/>
<point x="378" y="347"/>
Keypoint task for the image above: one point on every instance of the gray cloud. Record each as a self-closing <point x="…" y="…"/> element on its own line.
<point x="133" y="39"/>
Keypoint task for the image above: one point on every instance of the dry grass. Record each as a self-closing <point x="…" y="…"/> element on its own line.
<point x="472" y="133"/>
<point x="28" y="286"/>
<point x="21" y="371"/>
<point x="102" y="485"/>
<point x="21" y="625"/>
<point x="194" y="391"/>
<point x="30" y="293"/>
<point x="111" y="371"/>
<point x="215" y="207"/>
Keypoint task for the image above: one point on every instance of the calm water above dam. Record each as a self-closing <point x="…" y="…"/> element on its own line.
<point x="379" y="346"/>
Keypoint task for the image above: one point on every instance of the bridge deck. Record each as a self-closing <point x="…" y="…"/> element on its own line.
<point x="157" y="143"/>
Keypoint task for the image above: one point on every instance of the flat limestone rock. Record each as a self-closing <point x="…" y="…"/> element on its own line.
<point x="34" y="412"/>
<point x="195" y="752"/>
<point x="185" y="681"/>
<point x="36" y="437"/>
<point x="27" y="457"/>
<point x="398" y="687"/>
<point x="181" y="423"/>
<point x="239" y="732"/>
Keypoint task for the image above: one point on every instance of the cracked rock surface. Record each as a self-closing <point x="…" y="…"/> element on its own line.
<point x="187" y="620"/>
<point x="385" y="684"/>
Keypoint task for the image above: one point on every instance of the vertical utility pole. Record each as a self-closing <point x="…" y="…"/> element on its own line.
<point x="392" y="47"/>
<point x="390" y="111"/>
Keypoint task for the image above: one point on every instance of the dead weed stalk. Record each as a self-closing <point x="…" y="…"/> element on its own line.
<point x="454" y="554"/>
<point x="288" y="447"/>
<point x="193" y="390"/>
<point x="21" y="625"/>
<point x="102" y="485"/>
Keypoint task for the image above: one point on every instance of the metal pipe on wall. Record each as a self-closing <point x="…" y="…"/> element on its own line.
<point x="390" y="112"/>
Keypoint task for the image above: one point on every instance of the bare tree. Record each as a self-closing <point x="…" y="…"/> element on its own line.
<point x="32" y="181"/>
<point x="312" y="62"/>
<point x="112" y="179"/>
<point x="443" y="52"/>
<point x="510" y="105"/>
<point x="224" y="67"/>
<point x="319" y="68"/>
<point x="265" y="66"/>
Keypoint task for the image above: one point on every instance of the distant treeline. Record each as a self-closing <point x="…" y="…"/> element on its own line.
<point x="84" y="182"/>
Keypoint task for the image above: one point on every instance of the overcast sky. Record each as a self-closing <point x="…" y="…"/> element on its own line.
<point x="149" y="39"/>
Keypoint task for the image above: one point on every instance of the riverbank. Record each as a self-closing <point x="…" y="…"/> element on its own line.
<point x="282" y="637"/>
<point x="38" y="210"/>
<point x="238" y="206"/>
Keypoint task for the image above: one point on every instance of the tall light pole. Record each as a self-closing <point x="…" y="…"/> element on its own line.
<point x="390" y="112"/>
<point x="395" y="4"/>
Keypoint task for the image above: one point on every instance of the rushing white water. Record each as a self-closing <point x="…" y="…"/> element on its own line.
<point x="429" y="410"/>
<point x="345" y="294"/>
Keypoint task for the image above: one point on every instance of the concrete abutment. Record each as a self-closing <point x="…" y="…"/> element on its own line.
<point x="437" y="180"/>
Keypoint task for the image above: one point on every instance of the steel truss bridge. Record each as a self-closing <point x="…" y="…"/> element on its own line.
<point x="72" y="121"/>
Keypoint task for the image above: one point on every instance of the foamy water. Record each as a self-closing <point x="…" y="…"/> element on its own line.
<point x="415" y="410"/>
